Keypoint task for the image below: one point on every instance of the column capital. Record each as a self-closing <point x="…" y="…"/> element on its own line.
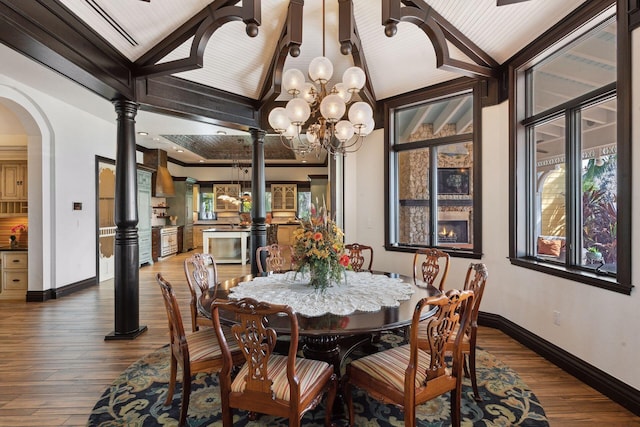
<point x="258" y="134"/>
<point x="125" y="107"/>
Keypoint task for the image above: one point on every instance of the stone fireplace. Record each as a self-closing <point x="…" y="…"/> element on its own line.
<point x="453" y="228"/>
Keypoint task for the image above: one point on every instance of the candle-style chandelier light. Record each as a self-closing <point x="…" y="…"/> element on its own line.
<point x="328" y="130"/>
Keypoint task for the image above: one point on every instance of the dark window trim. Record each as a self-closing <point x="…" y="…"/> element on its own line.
<point x="622" y="283"/>
<point x="634" y="14"/>
<point x="433" y="93"/>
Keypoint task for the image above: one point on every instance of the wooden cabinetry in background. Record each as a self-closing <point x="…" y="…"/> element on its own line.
<point x="285" y="233"/>
<point x="14" y="269"/>
<point x="155" y="243"/>
<point x="13" y="188"/>
<point x="13" y="181"/>
<point x="197" y="234"/>
<point x="222" y="205"/>
<point x="182" y="207"/>
<point x="284" y="197"/>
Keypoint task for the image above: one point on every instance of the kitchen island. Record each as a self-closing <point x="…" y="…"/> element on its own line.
<point x="227" y="244"/>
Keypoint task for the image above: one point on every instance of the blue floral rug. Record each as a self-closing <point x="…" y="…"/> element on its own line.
<point x="136" y="398"/>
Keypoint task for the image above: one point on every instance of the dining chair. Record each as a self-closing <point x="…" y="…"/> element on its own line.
<point x="196" y="352"/>
<point x="475" y="281"/>
<point x="358" y="256"/>
<point x="277" y="258"/>
<point x="202" y="273"/>
<point x="414" y="373"/>
<point x="429" y="264"/>
<point x="269" y="383"/>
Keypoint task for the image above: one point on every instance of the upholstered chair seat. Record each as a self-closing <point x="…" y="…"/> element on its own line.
<point x="309" y="371"/>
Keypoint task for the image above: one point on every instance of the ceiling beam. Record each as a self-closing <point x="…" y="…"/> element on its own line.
<point x="350" y="43"/>
<point x="418" y="118"/>
<point x="445" y="116"/>
<point x="288" y="43"/>
<point x="439" y="31"/>
<point x="48" y="33"/>
<point x="201" y="27"/>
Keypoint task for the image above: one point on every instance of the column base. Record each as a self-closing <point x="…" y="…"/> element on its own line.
<point x="128" y="336"/>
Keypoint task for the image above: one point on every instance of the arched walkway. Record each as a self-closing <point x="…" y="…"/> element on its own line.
<point x="41" y="187"/>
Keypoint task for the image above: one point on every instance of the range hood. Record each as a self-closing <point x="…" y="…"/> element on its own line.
<point x="161" y="181"/>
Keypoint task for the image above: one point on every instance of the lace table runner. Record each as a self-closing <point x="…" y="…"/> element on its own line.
<point x="362" y="291"/>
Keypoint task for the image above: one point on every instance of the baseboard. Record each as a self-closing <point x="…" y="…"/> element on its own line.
<point x="42" y="296"/>
<point x="39" y="296"/>
<point x="606" y="384"/>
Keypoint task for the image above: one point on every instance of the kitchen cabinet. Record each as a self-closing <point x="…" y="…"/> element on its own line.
<point x="181" y="238"/>
<point x="144" y="217"/>
<point x="155" y="243"/>
<point x="223" y="205"/>
<point x="182" y="207"/>
<point x="13" y="181"/>
<point x="14" y="274"/>
<point x="285" y="233"/>
<point x="197" y="234"/>
<point x="284" y="197"/>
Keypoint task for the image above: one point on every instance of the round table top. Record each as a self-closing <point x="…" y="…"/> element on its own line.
<point x="358" y="322"/>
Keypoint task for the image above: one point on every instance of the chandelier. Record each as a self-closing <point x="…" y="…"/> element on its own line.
<point x="328" y="129"/>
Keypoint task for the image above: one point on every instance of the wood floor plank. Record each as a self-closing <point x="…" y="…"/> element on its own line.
<point x="55" y="364"/>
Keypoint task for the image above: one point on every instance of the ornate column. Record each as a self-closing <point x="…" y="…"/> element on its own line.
<point x="126" y="278"/>
<point x="258" y="211"/>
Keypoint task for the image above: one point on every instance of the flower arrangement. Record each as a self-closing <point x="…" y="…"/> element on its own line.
<point x="319" y="249"/>
<point x="16" y="228"/>
<point x="19" y="227"/>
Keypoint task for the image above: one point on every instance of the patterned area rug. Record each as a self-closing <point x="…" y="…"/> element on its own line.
<point x="136" y="398"/>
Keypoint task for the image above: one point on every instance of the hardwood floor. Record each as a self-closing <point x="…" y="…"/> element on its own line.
<point x="55" y="364"/>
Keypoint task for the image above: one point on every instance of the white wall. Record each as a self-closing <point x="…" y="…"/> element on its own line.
<point x="76" y="138"/>
<point x="596" y="325"/>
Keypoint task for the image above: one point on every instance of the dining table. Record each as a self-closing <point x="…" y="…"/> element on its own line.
<point x="334" y="321"/>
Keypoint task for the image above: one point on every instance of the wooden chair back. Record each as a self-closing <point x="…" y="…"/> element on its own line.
<point x="274" y="258"/>
<point x="429" y="264"/>
<point x="260" y="386"/>
<point x="412" y="374"/>
<point x="475" y="281"/>
<point x="177" y="340"/>
<point x="440" y="327"/>
<point x="360" y="256"/>
<point x="201" y="272"/>
<point x="206" y="356"/>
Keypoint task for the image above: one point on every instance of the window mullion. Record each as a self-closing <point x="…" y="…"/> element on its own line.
<point x="573" y="186"/>
<point x="433" y="199"/>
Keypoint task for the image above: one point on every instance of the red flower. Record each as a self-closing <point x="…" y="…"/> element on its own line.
<point x="19" y="227"/>
<point x="317" y="236"/>
<point x="344" y="260"/>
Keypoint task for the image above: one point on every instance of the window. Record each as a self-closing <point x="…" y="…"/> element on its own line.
<point x="566" y="148"/>
<point x="432" y="168"/>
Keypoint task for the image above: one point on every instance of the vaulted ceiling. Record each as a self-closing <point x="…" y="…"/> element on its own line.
<point x="220" y="79"/>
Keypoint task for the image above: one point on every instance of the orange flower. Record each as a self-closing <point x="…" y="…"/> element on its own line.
<point x="344" y="260"/>
<point x="317" y="236"/>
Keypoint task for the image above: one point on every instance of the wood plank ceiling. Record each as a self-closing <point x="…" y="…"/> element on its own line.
<point x="240" y="65"/>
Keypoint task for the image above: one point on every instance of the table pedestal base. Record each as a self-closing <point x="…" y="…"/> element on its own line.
<point x="325" y="348"/>
<point x="332" y="349"/>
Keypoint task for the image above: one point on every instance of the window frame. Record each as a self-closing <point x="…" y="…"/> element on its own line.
<point x="435" y="93"/>
<point x="557" y="37"/>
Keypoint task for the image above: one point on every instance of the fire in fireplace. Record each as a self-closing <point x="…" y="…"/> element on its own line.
<point x="453" y="231"/>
